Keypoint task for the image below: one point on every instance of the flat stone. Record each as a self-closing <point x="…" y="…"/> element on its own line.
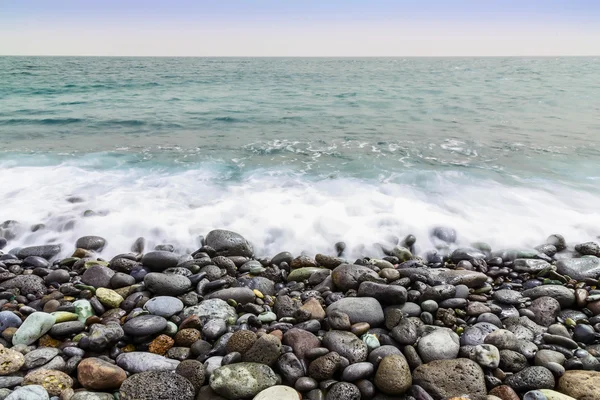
<point x="242" y="295"/>
<point x="27" y="284"/>
<point x="48" y="251"/>
<point x="136" y="362"/>
<point x="160" y="260"/>
<point x="349" y="276"/>
<point x="30" y="392"/>
<point x="359" y="309"/>
<point x="164" y="306"/>
<point x="580" y="268"/>
<point x="278" y="392"/>
<point x="347" y="345"/>
<point x="441" y="344"/>
<point x="145" y="325"/>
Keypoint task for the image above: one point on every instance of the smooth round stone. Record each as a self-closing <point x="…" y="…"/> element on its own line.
<point x="267" y="317"/>
<point x="359" y="309"/>
<point x="167" y="285"/>
<point x="214" y="328"/>
<point x="35" y="326"/>
<point x="278" y="392"/>
<point x="227" y="243"/>
<point x="145" y="325"/>
<point x="381" y="352"/>
<point x="94" y="243"/>
<point x="357" y="371"/>
<point x="59" y="276"/>
<point x="242" y="295"/>
<point x="164" y="306"/>
<point x="393" y="375"/>
<point x="160" y="260"/>
<point x="441" y="344"/>
<point x="9" y="319"/>
<point x="306" y="384"/>
<point x="67" y="328"/>
<point x="429" y="306"/>
<point x="120" y="280"/>
<point x="97" y="276"/>
<point x="97" y="374"/>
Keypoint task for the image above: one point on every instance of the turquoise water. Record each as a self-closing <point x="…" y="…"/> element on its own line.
<point x="299" y="153"/>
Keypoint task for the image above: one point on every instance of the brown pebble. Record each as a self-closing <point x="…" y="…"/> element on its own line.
<point x="360" y="328"/>
<point x="8" y="333"/>
<point x="51" y="306"/>
<point x="49" y="341"/>
<point x="504" y="392"/>
<point x="161" y="344"/>
<point x="278" y="334"/>
<point x="94" y="319"/>
<point x="95" y="373"/>
<point x="193" y="321"/>
<point x="52" y="380"/>
<point x="187" y="337"/>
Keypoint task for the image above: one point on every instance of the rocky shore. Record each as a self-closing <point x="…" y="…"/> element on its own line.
<point x="455" y="323"/>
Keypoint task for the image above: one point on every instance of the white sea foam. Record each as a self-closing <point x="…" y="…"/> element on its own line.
<point x="279" y="211"/>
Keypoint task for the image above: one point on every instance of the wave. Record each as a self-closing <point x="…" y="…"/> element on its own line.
<point x="278" y="210"/>
<point x="44" y="121"/>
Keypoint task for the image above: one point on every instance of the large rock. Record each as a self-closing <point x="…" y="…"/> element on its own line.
<point x="46" y="251"/>
<point x="444" y="276"/>
<point x="27" y="284"/>
<point x="227" y="243"/>
<point x="349" y="276"/>
<point x="441" y="344"/>
<point x="449" y="378"/>
<point x="241" y="295"/>
<point x="580" y="268"/>
<point x="564" y="295"/>
<point x="301" y="341"/>
<point x="582" y="385"/>
<point x="97" y="276"/>
<point x="157" y="385"/>
<point x="242" y="380"/>
<point x="94" y="243"/>
<point x="97" y="374"/>
<point x="34" y="327"/>
<point x="165" y="306"/>
<point x="167" y="284"/>
<point x="393" y="375"/>
<point x="545" y="310"/>
<point x="347" y="345"/>
<point x="359" y="309"/>
<point x="212" y="309"/>
<point x="160" y="260"/>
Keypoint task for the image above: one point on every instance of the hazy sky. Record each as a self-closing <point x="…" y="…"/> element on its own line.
<point x="300" y="27"/>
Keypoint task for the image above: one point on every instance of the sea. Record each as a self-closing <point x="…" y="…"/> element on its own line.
<point x="297" y="154"/>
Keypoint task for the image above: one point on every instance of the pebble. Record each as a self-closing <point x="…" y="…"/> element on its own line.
<point x="33" y="328"/>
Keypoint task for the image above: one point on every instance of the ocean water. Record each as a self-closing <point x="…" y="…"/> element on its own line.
<point x="297" y="154"/>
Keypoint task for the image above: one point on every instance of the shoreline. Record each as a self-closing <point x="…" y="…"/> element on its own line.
<point x="478" y="322"/>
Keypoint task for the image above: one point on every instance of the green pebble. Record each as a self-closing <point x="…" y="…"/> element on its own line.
<point x="109" y="297"/>
<point x="267" y="317"/>
<point x="257" y="270"/>
<point x="301" y="274"/>
<point x="83" y="309"/>
<point x="64" y="316"/>
<point x="67" y="262"/>
<point x="371" y="341"/>
<point x="171" y="329"/>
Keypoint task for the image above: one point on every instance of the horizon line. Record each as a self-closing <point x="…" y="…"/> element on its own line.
<point x="306" y="56"/>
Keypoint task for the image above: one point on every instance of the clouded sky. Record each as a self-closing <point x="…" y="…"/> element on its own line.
<point x="300" y="27"/>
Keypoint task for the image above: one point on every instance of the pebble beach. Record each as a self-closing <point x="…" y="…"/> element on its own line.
<point x="220" y="323"/>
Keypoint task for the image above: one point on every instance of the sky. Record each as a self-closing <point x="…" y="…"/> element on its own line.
<point x="300" y="27"/>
